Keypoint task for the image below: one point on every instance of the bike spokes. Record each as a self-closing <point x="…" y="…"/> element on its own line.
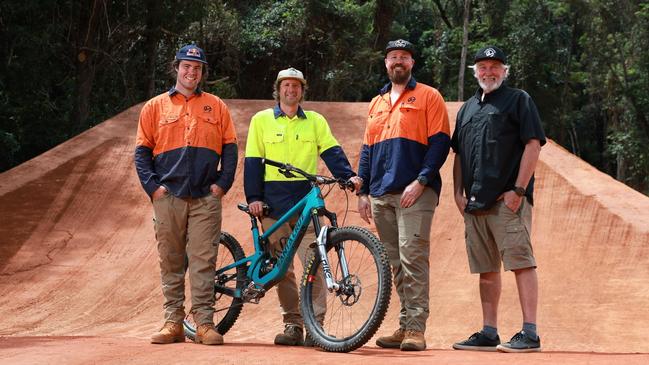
<point x="355" y="309"/>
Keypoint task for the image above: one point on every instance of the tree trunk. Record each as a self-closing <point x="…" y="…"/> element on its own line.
<point x="152" y="38"/>
<point x="85" y="57"/>
<point x="383" y="18"/>
<point x="465" y="44"/>
<point x="620" y="173"/>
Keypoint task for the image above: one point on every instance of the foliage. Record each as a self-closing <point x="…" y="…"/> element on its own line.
<point x="66" y="65"/>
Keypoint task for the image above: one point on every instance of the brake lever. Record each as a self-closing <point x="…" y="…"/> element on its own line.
<point x="346" y="184"/>
<point x="286" y="173"/>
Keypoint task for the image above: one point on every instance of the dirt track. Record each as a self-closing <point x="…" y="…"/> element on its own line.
<point x="79" y="280"/>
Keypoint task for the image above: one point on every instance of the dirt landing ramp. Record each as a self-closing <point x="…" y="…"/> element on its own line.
<point x="79" y="281"/>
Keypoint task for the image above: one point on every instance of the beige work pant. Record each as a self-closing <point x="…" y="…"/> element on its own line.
<point x="405" y="233"/>
<point x="189" y="228"/>
<point x="287" y="289"/>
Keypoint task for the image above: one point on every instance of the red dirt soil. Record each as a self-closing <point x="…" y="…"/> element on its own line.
<point x="79" y="277"/>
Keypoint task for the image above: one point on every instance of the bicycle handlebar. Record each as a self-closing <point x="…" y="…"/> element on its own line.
<point x="318" y="179"/>
<point x="273" y="163"/>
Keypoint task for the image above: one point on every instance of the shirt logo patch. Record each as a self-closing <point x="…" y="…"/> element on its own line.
<point x="207" y="109"/>
<point x="411" y="99"/>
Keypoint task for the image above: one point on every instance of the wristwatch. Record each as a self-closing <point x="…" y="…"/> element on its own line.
<point x="519" y="190"/>
<point x="422" y="180"/>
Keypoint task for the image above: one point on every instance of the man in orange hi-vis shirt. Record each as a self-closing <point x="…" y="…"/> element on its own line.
<point x="186" y="157"/>
<point x="406" y="143"/>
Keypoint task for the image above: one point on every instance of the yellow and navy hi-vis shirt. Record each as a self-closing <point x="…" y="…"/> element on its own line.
<point x="297" y="141"/>
<point x="403" y="141"/>
<point x="181" y="141"/>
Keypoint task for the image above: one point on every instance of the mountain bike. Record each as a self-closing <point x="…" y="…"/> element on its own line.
<point x="352" y="261"/>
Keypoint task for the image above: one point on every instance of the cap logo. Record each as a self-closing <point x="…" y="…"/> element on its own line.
<point x="194" y="52"/>
<point x="490" y="52"/>
<point x="400" y="43"/>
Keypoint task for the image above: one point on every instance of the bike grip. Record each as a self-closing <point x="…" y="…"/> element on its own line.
<point x="272" y="163"/>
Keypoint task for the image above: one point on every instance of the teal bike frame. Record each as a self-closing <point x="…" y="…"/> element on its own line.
<point x="264" y="273"/>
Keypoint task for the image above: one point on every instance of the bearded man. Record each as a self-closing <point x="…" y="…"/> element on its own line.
<point x="405" y="144"/>
<point x="497" y="141"/>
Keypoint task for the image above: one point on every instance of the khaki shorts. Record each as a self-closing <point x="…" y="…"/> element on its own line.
<point x="500" y="235"/>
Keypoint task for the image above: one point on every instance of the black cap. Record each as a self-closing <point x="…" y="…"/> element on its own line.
<point x="400" y="44"/>
<point x="490" y="53"/>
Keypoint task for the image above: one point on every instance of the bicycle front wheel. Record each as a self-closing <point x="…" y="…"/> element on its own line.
<point x="227" y="308"/>
<point x="353" y="313"/>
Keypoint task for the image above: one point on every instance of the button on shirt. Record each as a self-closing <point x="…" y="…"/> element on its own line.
<point x="490" y="136"/>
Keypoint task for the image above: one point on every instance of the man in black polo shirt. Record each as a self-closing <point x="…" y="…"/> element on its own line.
<point x="497" y="141"/>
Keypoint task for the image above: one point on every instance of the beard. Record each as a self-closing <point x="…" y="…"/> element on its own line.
<point x="490" y="85"/>
<point x="400" y="76"/>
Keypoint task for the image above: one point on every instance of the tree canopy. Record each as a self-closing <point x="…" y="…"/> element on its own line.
<point x="67" y="65"/>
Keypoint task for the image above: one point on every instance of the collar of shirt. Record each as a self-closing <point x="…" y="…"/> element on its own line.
<point x="411" y="85"/>
<point x="173" y="91"/>
<point x="478" y="93"/>
<point x="279" y="113"/>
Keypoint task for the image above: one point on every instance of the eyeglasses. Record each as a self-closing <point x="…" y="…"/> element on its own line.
<point x="399" y="58"/>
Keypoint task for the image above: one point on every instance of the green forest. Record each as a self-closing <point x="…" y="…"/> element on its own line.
<point x="67" y="65"/>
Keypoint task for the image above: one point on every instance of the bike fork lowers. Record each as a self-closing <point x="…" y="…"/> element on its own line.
<point x="324" y="261"/>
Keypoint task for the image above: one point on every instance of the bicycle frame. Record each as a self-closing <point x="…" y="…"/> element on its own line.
<point x="257" y="273"/>
<point x="309" y="208"/>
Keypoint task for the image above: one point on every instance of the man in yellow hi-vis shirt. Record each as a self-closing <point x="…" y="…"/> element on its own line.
<point x="289" y="134"/>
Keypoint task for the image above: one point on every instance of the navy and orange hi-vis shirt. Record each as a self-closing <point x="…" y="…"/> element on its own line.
<point x="404" y="141"/>
<point x="181" y="141"/>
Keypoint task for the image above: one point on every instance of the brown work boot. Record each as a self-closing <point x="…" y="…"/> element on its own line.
<point x="293" y="336"/>
<point x="206" y="335"/>
<point x="393" y="341"/>
<point x="169" y="333"/>
<point x="413" y="341"/>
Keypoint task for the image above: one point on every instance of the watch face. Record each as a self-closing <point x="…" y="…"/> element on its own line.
<point x="519" y="191"/>
<point x="422" y="180"/>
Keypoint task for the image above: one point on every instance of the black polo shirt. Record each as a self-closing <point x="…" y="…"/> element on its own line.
<point x="490" y="137"/>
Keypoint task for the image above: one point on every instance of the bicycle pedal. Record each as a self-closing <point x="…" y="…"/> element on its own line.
<point x="252" y="294"/>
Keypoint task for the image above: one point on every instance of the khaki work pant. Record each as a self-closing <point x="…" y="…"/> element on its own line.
<point x="287" y="289"/>
<point x="405" y="233"/>
<point x="189" y="228"/>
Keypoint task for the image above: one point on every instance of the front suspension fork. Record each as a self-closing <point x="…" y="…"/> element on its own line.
<point x="332" y="285"/>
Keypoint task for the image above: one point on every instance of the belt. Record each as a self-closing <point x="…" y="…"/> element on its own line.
<point x="481" y="212"/>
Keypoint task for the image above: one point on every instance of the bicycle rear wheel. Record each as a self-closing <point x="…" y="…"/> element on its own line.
<point x="355" y="311"/>
<point x="227" y="308"/>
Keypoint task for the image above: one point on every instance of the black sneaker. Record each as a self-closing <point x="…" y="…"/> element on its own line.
<point x="521" y="342"/>
<point x="478" y="342"/>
